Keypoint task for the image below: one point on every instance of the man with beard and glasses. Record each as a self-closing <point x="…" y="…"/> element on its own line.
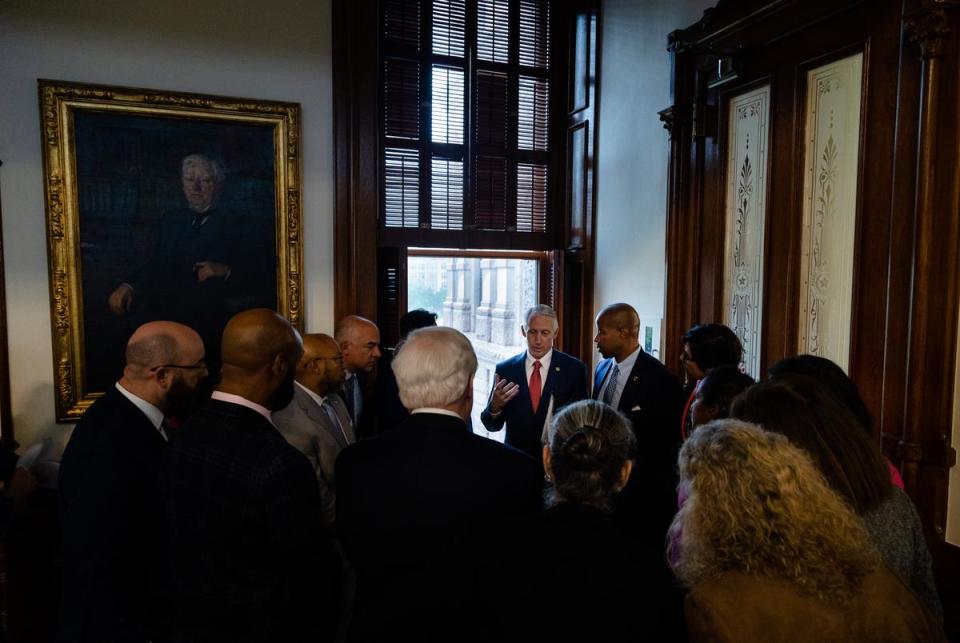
<point x="249" y="556"/>
<point x="110" y="501"/>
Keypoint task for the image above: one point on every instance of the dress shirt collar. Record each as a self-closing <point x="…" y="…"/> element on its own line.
<point x="626" y="366"/>
<point x="430" y="409"/>
<point x="544" y="362"/>
<point x="153" y="414"/>
<point x="230" y="398"/>
<point x="313" y="396"/>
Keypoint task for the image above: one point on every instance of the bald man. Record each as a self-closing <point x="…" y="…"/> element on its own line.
<point x="316" y="422"/>
<point x="249" y="555"/>
<point x="111" y="508"/>
<point x="359" y="341"/>
<point x="642" y="388"/>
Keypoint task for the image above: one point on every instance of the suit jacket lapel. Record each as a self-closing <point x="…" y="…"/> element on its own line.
<point x="632" y="387"/>
<point x="553" y="376"/>
<point x="310" y="407"/>
<point x="340" y="410"/>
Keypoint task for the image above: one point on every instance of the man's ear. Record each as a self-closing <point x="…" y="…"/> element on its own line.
<point x="523" y="331"/>
<point x="163" y="377"/>
<point x="279" y="365"/>
<point x="625" y="471"/>
<point x="547" y="463"/>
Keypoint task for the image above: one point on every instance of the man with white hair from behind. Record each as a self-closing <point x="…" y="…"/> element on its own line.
<point x="414" y="502"/>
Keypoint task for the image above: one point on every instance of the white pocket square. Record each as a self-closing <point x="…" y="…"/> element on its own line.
<point x="636" y="408"/>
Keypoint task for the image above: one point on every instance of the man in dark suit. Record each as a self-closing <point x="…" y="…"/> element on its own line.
<point x="316" y="421"/>
<point x="413" y="503"/>
<point x="642" y="388"/>
<point x="111" y="508"/>
<point x="529" y="387"/>
<point x="359" y="341"/>
<point x="249" y="555"/>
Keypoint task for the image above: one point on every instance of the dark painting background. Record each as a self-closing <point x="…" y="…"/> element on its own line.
<point x="128" y="178"/>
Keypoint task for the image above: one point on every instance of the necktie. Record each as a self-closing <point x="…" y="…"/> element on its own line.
<point x="611" y="389"/>
<point x="535" y="386"/>
<point x="332" y="415"/>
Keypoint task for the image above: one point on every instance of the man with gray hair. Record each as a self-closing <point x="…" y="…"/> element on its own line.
<point x="413" y="503"/>
<point x="209" y="262"/>
<point x="529" y="387"/>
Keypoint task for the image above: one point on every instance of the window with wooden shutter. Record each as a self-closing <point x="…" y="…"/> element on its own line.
<point x="468" y="157"/>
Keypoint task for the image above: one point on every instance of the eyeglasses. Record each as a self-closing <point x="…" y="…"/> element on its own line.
<point x="199" y="366"/>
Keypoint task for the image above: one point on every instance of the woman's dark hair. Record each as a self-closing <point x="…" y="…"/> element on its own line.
<point x="832" y="378"/>
<point x="815" y="420"/>
<point x="415" y="320"/>
<point x="713" y="345"/>
<point x="589" y="443"/>
<point x="721" y="385"/>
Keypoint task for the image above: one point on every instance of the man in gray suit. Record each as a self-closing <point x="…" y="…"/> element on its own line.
<point x="317" y="422"/>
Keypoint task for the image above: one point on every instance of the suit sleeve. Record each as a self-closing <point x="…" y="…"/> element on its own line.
<point x="580" y="388"/>
<point x="489" y="421"/>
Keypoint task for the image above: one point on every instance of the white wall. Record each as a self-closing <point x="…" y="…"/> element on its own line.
<point x="634" y="149"/>
<point x="277" y="50"/>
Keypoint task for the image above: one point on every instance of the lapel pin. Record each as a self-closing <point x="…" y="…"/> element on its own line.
<point x="556" y="368"/>
<point x="635" y="378"/>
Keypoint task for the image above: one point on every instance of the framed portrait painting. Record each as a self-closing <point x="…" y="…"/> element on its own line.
<point x="162" y="205"/>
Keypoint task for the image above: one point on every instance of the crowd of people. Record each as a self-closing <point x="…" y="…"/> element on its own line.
<point x="331" y="490"/>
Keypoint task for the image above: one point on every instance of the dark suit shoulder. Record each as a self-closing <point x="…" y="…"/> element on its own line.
<point x="511" y="362"/>
<point x="560" y="357"/>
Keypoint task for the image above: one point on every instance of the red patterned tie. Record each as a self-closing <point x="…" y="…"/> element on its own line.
<point x="535" y="386"/>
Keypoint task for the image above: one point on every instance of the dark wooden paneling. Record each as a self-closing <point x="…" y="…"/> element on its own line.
<point x="355" y="74"/>
<point x="906" y="275"/>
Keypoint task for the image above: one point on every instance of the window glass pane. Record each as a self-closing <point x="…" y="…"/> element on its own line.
<point x="401" y="190"/>
<point x="535" y="33"/>
<point x="446" y="194"/>
<point x="531" y="197"/>
<point x="447" y="105"/>
<point x="401" y="99"/>
<point x="532" y="114"/>
<point x="449" y="21"/>
<point x="486" y="299"/>
<point x="493" y="28"/>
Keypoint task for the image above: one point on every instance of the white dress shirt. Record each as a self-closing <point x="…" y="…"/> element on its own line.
<point x="153" y="414"/>
<point x="625" y="368"/>
<point x="242" y="401"/>
<point x="544" y="367"/>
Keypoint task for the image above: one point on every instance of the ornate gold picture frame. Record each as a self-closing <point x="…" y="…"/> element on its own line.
<point x="162" y="205"/>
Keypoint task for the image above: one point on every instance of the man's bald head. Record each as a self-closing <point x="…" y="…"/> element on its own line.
<point x="359" y="340"/>
<point x="165" y="365"/>
<point x="621" y="317"/>
<point x="618" y="331"/>
<point x="161" y="342"/>
<point x="321" y="367"/>
<point x="253" y="338"/>
<point x="260" y="352"/>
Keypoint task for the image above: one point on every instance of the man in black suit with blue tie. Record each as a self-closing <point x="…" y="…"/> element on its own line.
<point x="640" y="386"/>
<point x="529" y="387"/>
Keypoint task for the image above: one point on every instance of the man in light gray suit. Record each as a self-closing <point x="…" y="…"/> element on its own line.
<point x="317" y="422"/>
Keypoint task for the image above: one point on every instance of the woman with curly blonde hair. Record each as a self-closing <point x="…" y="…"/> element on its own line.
<point x="772" y="553"/>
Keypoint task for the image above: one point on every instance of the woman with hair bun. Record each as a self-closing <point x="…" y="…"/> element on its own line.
<point x="574" y="554"/>
<point x="772" y="553"/>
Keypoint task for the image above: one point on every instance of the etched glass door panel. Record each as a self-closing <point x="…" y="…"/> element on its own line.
<point x="745" y="215"/>
<point x="831" y="159"/>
